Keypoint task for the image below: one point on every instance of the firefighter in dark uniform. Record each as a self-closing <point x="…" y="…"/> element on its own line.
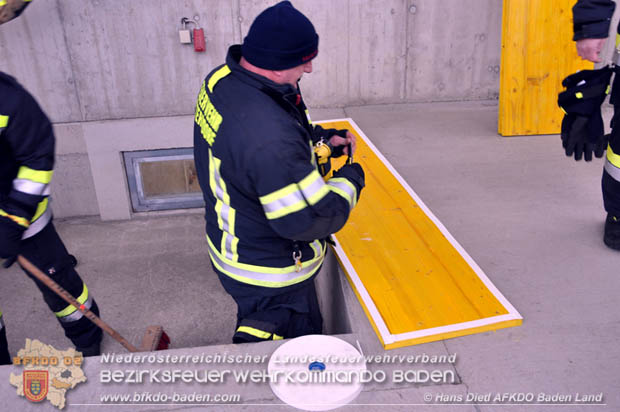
<point x="591" y="20"/>
<point x="26" y="228"/>
<point x="268" y="209"/>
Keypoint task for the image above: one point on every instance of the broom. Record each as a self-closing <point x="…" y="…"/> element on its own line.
<point x="154" y="338"/>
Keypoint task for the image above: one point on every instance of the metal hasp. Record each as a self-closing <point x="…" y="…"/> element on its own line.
<point x="184" y="35"/>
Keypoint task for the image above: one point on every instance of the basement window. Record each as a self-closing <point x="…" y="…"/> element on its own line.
<point x="162" y="179"/>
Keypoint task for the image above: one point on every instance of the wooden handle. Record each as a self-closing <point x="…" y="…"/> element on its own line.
<point x="60" y="291"/>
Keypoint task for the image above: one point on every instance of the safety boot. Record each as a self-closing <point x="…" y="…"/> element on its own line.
<point x="92" y="350"/>
<point x="612" y="232"/>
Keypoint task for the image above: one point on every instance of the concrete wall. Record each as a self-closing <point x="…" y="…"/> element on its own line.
<point x="105" y="60"/>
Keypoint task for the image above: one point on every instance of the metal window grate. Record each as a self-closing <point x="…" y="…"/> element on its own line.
<point x="162" y="179"/>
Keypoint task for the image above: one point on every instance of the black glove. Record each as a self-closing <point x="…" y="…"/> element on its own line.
<point x="582" y="126"/>
<point x="354" y="173"/>
<point x="583" y="136"/>
<point x="10" y="238"/>
<point x="338" y="150"/>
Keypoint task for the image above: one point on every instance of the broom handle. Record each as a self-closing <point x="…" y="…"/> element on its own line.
<point x="60" y="291"/>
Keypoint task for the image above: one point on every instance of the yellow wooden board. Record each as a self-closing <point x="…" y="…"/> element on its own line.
<point x="415" y="282"/>
<point x="537" y="54"/>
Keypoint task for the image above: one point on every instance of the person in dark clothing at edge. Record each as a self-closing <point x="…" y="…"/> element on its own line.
<point x="591" y="19"/>
<point x="268" y="210"/>
<point x="26" y="228"/>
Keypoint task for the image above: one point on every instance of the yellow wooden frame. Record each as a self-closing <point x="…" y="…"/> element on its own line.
<point x="537" y="54"/>
<point x="414" y="280"/>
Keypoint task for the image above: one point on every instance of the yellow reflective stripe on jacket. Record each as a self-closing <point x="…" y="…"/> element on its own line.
<point x="313" y="187"/>
<point x="613" y="158"/>
<point x="261" y="334"/>
<point x="612" y="164"/>
<point x="226" y="215"/>
<point x="294" y="197"/>
<point x="70" y="309"/>
<point x="4" y="121"/>
<point x="217" y="76"/>
<point x="344" y="188"/>
<point x="39" y="176"/>
<point x="22" y="221"/>
<point x="263" y="275"/>
<point x="38" y="225"/>
<point x="41" y="208"/>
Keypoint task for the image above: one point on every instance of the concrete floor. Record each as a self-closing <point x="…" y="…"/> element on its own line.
<point x="530" y="217"/>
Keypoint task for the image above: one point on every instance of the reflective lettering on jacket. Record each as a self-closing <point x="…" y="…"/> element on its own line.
<point x="207" y="116"/>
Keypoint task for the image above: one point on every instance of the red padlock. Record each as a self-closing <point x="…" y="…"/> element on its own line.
<point x="199" y="40"/>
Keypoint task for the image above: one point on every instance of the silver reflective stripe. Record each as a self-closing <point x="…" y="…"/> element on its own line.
<point x="38" y="224"/>
<point x="311" y="194"/>
<point x="317" y="248"/>
<point x="224" y="212"/>
<point x="1" y="323"/>
<point x="344" y="188"/>
<point x="228" y="241"/>
<point x="266" y="277"/>
<point x="314" y="188"/>
<point x="218" y="190"/>
<point x="612" y="170"/>
<point x="30" y="187"/>
<point x="284" y="202"/>
<point x="77" y="315"/>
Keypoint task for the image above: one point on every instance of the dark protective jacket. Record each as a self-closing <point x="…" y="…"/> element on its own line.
<point x="26" y="158"/>
<point x="264" y="197"/>
<point x="591" y="18"/>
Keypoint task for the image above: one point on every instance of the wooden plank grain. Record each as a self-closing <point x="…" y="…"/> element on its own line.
<point x="537" y="53"/>
<point x="413" y="277"/>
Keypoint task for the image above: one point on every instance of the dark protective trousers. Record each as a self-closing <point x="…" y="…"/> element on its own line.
<point x="273" y="313"/>
<point x="611" y="183"/>
<point x="611" y="186"/>
<point x="47" y="252"/>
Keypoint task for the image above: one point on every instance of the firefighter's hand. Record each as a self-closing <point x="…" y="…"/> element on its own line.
<point x="355" y="174"/>
<point x="336" y="141"/>
<point x="10" y="239"/>
<point x="589" y="49"/>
